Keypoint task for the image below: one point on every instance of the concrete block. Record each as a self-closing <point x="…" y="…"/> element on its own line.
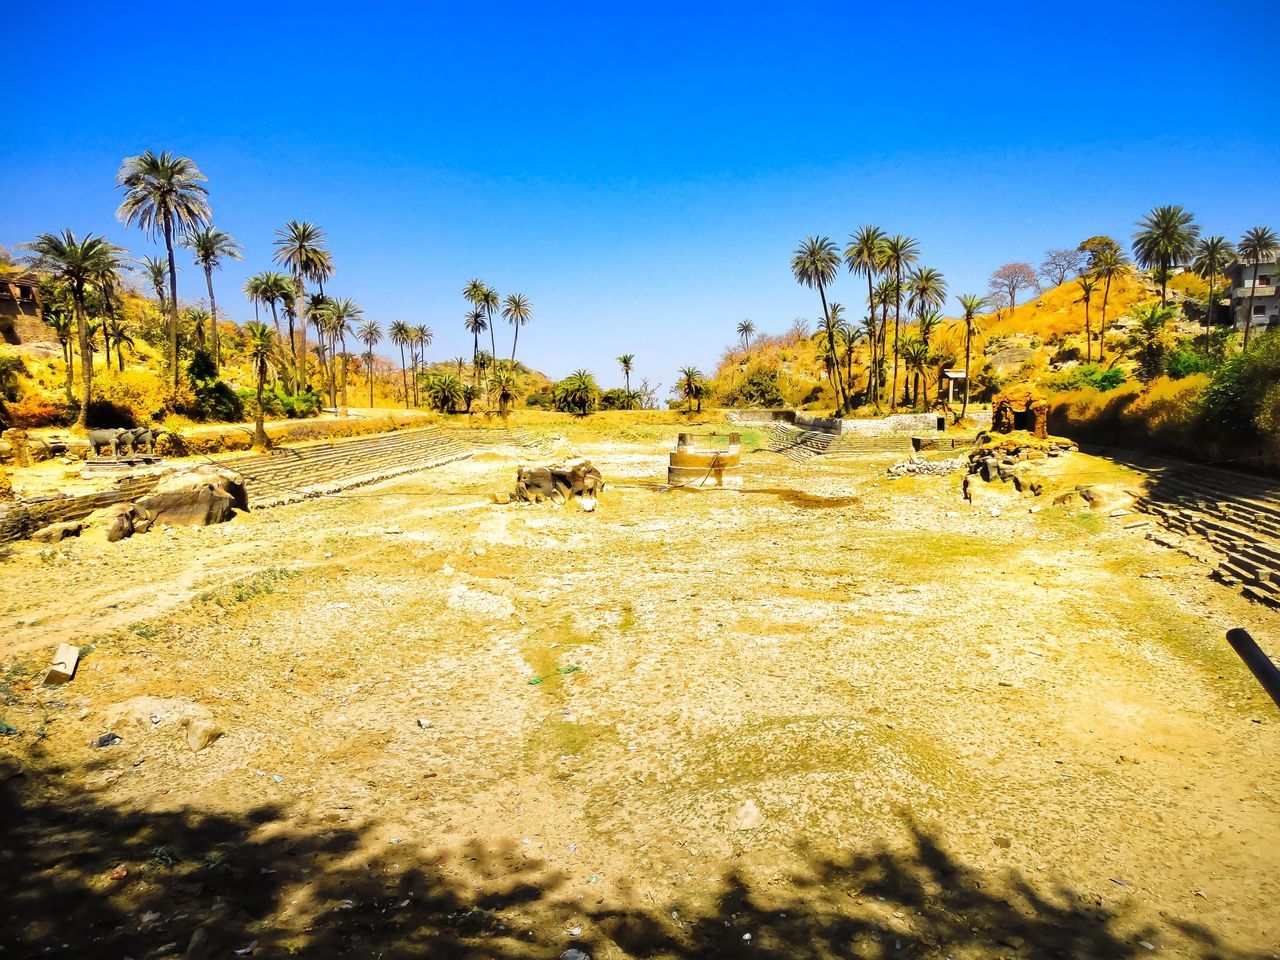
<point x="64" y="664"/>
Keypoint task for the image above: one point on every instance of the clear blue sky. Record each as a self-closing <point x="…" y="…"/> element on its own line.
<point x="642" y="172"/>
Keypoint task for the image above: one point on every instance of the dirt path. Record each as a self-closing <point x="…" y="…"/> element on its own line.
<point x="825" y="716"/>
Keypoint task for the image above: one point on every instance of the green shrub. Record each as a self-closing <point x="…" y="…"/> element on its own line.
<point x="1185" y="360"/>
<point x="1090" y="376"/>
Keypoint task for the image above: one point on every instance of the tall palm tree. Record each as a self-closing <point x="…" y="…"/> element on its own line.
<point x="121" y="336"/>
<point x="300" y="247"/>
<point x="900" y="252"/>
<point x="884" y="294"/>
<point x="865" y="255"/>
<point x="476" y="325"/>
<point x="926" y="290"/>
<point x="971" y="304"/>
<point x="77" y="262"/>
<point x="502" y="388"/>
<point x="1258" y="245"/>
<point x="1165" y="239"/>
<point x="340" y="315"/>
<point x="926" y="323"/>
<point x="315" y="311"/>
<point x="1212" y="257"/>
<point x="58" y="311"/>
<point x="815" y="263"/>
<point x="516" y="310"/>
<point x="1107" y="265"/>
<point x="401" y="334"/>
<point x="262" y="350"/>
<point x="197" y="318"/>
<point x="106" y="282"/>
<point x="746" y="330"/>
<point x="422" y="337"/>
<point x="369" y="332"/>
<point x="166" y="197"/>
<point x="208" y="247"/>
<point x="627" y="363"/>
<point x="1087" y="285"/>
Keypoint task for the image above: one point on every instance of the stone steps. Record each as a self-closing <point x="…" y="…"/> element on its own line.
<point x="1238" y="515"/>
<point x="798" y="445"/>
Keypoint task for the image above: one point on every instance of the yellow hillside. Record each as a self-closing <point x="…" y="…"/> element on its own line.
<point x="1056" y="313"/>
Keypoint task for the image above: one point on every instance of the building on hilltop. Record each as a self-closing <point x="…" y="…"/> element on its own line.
<point x="1262" y="282"/>
<point x="20" y="321"/>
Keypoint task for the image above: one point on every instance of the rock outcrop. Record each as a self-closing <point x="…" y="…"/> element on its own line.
<point x="197" y="497"/>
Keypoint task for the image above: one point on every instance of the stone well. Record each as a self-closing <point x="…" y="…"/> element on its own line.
<point x="691" y="467"/>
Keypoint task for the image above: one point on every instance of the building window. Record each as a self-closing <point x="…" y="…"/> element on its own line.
<point x="1259" y="310"/>
<point x="1264" y="281"/>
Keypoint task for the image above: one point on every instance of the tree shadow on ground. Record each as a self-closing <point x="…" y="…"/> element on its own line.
<point x="82" y="877"/>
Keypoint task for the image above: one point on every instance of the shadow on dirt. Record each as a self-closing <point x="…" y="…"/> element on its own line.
<point x="82" y="878"/>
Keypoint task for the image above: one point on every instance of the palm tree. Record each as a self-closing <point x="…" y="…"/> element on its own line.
<point x="121" y="335"/>
<point x="926" y="290"/>
<point x="422" y="337"/>
<point x="1212" y="257"/>
<point x="165" y="195"/>
<point x="884" y="294"/>
<point x="502" y="387"/>
<point x="1087" y="285"/>
<point x="580" y="390"/>
<point x="476" y="325"/>
<point x="369" y="332"/>
<point x="401" y="335"/>
<point x="300" y="247"/>
<point x="865" y="255"/>
<point x="746" y="330"/>
<point x="1258" y="245"/>
<point x="517" y="311"/>
<point x="1165" y="239"/>
<point x="77" y="263"/>
<point x="340" y="315"/>
<point x="627" y="363"/>
<point x="208" y="247"/>
<point x="971" y="304"/>
<point x="261" y="348"/>
<point x="691" y="383"/>
<point x="900" y="252"/>
<point x="157" y="271"/>
<point x="815" y="263"/>
<point x="926" y="323"/>
<point x="1107" y="265"/>
<point x="915" y="356"/>
<point x="57" y="310"/>
<point x="197" y="318"/>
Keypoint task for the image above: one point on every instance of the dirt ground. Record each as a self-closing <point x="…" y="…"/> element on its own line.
<point x="831" y="715"/>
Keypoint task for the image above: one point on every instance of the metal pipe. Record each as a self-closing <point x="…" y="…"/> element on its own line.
<point x="1258" y="662"/>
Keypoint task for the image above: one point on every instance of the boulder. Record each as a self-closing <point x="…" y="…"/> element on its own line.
<point x="147" y="714"/>
<point x="1105" y="497"/>
<point x="116" y="521"/>
<point x="57" y="532"/>
<point x="197" y="497"/>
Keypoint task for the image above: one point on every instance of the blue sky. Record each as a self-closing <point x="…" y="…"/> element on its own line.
<point x="642" y="174"/>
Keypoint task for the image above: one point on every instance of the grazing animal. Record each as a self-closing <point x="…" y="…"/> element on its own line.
<point x="108" y="438"/>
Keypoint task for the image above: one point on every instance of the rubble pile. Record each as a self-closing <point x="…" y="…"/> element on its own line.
<point x="919" y="467"/>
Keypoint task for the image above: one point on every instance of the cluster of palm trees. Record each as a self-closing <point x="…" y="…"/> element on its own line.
<point x="485" y="303"/>
<point x="895" y="280"/>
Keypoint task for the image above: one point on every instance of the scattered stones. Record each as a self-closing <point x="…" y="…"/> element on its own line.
<point x="919" y="467"/>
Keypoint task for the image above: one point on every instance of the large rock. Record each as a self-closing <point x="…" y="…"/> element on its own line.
<point x="117" y="521"/>
<point x="1105" y="497"/>
<point x="197" y="497"/>
<point x="57" y="532"/>
<point x="148" y="714"/>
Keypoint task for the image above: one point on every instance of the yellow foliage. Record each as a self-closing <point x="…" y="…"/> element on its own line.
<point x="1160" y="414"/>
<point x="144" y="394"/>
<point x="1055" y="313"/>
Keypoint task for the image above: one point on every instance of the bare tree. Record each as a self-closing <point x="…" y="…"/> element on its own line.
<point x="1058" y="265"/>
<point x="1011" y="278"/>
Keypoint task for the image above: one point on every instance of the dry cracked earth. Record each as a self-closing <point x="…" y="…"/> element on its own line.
<point x="830" y="715"/>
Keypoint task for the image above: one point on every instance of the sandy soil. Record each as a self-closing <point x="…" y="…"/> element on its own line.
<point x="830" y="715"/>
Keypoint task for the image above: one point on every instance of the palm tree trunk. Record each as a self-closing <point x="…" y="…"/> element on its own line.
<point x="343" y="410"/>
<point x="300" y="351"/>
<point x="404" y="378"/>
<point x="173" y="301"/>
<point x="831" y="345"/>
<point x="1088" y="334"/>
<point x="70" y="358"/>
<point x="119" y="356"/>
<point x="1248" y="316"/>
<point x="1208" y="313"/>
<point x="213" y="311"/>
<point x="968" y="339"/>
<point x="1102" y="324"/>
<point x="86" y="358"/>
<point x="514" y="340"/>
<point x="370" y="371"/>
<point x="897" y="323"/>
<point x="259" y="432"/>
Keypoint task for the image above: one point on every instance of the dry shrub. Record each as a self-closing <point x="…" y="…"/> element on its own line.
<point x="147" y="396"/>
<point x="1160" y="415"/>
<point x="34" y="410"/>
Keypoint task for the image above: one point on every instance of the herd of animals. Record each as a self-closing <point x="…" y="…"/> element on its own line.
<point x="137" y="441"/>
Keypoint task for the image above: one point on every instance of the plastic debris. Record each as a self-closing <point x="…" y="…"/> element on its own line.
<point x="107" y="740"/>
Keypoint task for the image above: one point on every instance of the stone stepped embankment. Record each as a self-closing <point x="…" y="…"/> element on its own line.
<point x="1237" y="514"/>
<point x="796" y="444"/>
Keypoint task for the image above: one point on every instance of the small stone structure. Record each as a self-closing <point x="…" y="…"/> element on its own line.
<point x="1021" y="407"/>
<point x="690" y="467"/>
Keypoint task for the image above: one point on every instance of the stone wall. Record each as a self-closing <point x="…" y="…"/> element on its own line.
<point x="20" y="519"/>
<point x="913" y="423"/>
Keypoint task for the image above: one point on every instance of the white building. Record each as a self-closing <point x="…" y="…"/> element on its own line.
<point x="1262" y="281"/>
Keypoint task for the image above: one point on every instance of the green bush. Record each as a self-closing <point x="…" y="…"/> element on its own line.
<point x="1185" y="360"/>
<point x="1089" y="376"/>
